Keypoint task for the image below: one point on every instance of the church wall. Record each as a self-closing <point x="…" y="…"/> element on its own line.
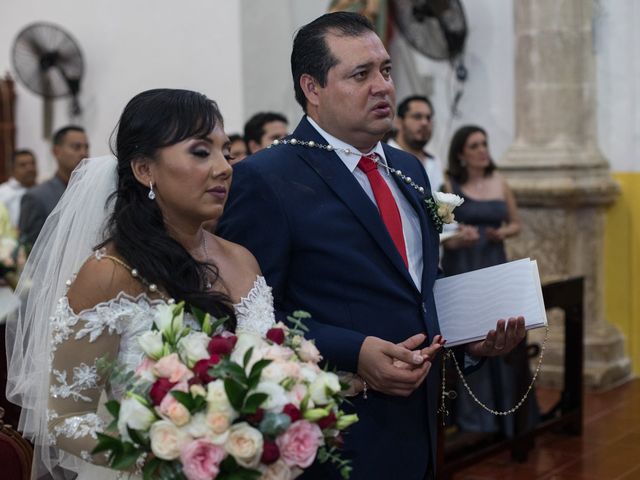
<point x="129" y="47"/>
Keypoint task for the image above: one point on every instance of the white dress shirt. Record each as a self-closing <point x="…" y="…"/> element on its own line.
<point x="432" y="165"/>
<point x="410" y="221"/>
<point x="11" y="193"/>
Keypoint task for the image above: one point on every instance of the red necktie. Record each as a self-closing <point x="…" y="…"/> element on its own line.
<point x="386" y="204"/>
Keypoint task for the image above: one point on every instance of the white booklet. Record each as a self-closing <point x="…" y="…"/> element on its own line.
<point x="470" y="304"/>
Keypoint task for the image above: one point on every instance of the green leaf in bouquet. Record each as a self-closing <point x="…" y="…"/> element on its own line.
<point x="247" y="357"/>
<point x="253" y="402"/>
<point x="107" y="443"/>
<point x="206" y="325"/>
<point x="273" y="424"/>
<point x="125" y="460"/>
<point x="150" y="470"/>
<point x="236" y="393"/>
<point x="184" y="398"/>
<point x="230" y="470"/>
<point x="256" y="371"/>
<point x="200" y="315"/>
<point x="138" y="437"/>
<point x="288" y="383"/>
<point x="236" y="372"/>
<point x="171" y="471"/>
<point x="113" y="407"/>
<point x="330" y="455"/>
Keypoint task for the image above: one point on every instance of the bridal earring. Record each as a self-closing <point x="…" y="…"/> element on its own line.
<point x="152" y="194"/>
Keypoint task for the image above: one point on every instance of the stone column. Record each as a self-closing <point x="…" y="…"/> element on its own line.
<point x="559" y="175"/>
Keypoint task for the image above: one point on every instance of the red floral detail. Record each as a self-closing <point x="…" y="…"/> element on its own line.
<point x="293" y="412"/>
<point x="159" y="389"/>
<point x="276" y="335"/>
<point x="270" y="452"/>
<point x="328" y="421"/>
<point x="220" y="345"/>
<point x="201" y="368"/>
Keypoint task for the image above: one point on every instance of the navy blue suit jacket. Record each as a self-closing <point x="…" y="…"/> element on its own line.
<point x="323" y="248"/>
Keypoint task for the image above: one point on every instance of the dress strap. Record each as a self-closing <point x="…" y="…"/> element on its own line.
<point x="152" y="287"/>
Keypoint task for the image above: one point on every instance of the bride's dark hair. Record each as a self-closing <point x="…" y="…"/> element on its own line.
<point x="152" y="120"/>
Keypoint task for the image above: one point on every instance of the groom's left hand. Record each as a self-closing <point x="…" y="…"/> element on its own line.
<point x="501" y="340"/>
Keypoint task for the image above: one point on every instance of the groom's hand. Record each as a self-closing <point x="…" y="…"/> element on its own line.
<point x="501" y="340"/>
<point x="428" y="353"/>
<point x="376" y="366"/>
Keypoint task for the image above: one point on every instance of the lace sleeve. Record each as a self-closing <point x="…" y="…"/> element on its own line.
<point x="75" y="384"/>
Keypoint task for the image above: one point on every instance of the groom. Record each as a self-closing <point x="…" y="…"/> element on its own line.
<point x="338" y="236"/>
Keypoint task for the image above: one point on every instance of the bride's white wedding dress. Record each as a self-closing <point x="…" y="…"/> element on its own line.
<point x="77" y="387"/>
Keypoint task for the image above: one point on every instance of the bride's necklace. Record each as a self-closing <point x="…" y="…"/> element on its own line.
<point x="330" y="148"/>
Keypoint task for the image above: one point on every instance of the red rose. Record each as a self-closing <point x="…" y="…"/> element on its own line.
<point x="293" y="412"/>
<point x="257" y="417"/>
<point x="201" y="368"/>
<point x="270" y="452"/>
<point x="220" y="345"/>
<point x="328" y="421"/>
<point x="276" y="335"/>
<point x="159" y="389"/>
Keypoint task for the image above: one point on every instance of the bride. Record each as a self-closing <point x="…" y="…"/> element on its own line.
<point x="126" y="237"/>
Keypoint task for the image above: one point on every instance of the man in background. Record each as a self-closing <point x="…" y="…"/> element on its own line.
<point x="263" y="128"/>
<point x="70" y="146"/>
<point x="23" y="176"/>
<point x="414" y="122"/>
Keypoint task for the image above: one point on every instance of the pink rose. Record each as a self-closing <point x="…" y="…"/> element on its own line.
<point x="308" y="352"/>
<point x="201" y="460"/>
<point x="173" y="410"/>
<point x="299" y="443"/>
<point x="172" y="368"/>
<point x="145" y="369"/>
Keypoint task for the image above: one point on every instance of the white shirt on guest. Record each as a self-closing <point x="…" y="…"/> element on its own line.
<point x="11" y="193"/>
<point x="410" y="222"/>
<point x="432" y="165"/>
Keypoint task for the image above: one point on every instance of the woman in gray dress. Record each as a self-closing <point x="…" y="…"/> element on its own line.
<point x="488" y="216"/>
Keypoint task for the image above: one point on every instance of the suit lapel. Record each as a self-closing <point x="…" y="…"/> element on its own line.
<point x="342" y="182"/>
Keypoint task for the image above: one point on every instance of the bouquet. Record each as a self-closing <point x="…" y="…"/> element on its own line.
<point x="206" y="405"/>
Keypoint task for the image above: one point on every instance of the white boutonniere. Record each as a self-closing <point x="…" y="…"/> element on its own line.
<point x="441" y="207"/>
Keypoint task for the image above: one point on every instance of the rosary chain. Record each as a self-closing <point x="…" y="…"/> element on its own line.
<point x="512" y="410"/>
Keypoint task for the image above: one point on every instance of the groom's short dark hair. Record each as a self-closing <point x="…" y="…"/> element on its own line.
<point x="310" y="53"/>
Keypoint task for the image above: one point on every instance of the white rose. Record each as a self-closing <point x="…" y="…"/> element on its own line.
<point x="325" y="385"/>
<point x="277" y="396"/>
<point x="217" y="400"/>
<point x="245" y="445"/>
<point x="164" y="318"/>
<point x="197" y="427"/>
<point x="279" y="370"/>
<point x="309" y="372"/>
<point x="297" y="393"/>
<point x="247" y="340"/>
<point x="193" y="347"/>
<point x="135" y="415"/>
<point x="448" y="199"/>
<point x="151" y="344"/>
<point x="308" y="352"/>
<point x="167" y="440"/>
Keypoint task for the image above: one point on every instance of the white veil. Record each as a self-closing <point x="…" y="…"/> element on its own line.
<point x="74" y="228"/>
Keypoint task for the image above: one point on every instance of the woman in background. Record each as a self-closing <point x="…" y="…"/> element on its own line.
<point x="488" y="216"/>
